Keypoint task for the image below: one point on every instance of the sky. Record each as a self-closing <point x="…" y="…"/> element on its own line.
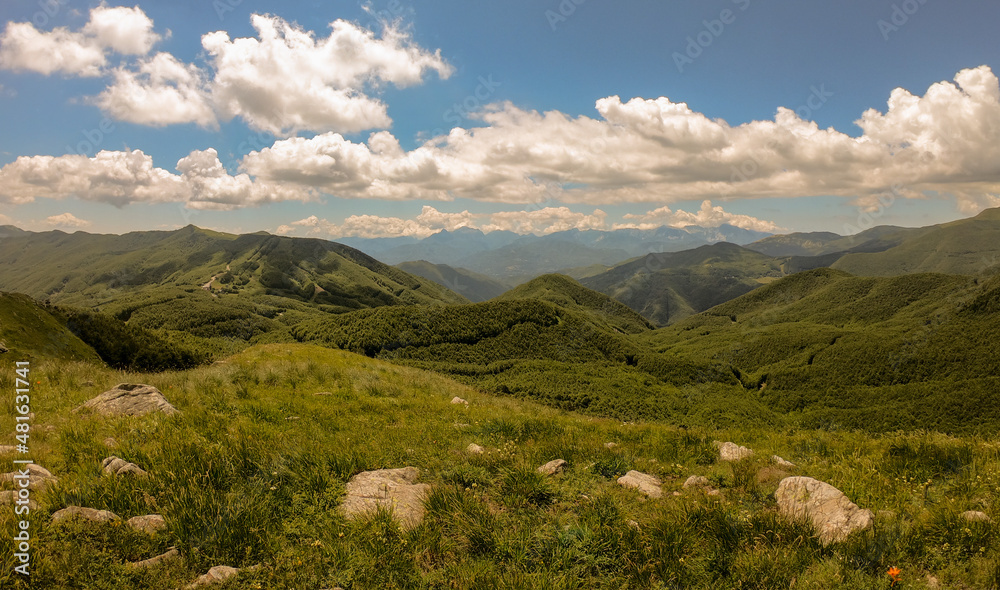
<point x="403" y="117"/>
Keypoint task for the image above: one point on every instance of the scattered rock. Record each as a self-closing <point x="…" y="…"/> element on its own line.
<point x="154" y="561"/>
<point x="117" y="466"/>
<point x="110" y="443"/>
<point x="7" y="449"/>
<point x="782" y="463"/>
<point x="633" y="524"/>
<point x="127" y="399"/>
<point x="729" y="451"/>
<point x="322" y="393"/>
<point x="292" y="418"/>
<point x="461" y="426"/>
<point x="38" y="477"/>
<point x="832" y="514"/>
<point x="457" y="400"/>
<point x="217" y="574"/>
<point x="975" y="516"/>
<point x="10" y="498"/>
<point x="391" y="488"/>
<point x="697" y="481"/>
<point x="553" y="467"/>
<point x="84" y="513"/>
<point x="643" y="482"/>
<point x="475" y="449"/>
<point x="149" y="524"/>
<point x="610" y="445"/>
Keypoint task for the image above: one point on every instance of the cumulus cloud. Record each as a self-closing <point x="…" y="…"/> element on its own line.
<point x="707" y="216"/>
<point x="160" y="91"/>
<point x="120" y="178"/>
<point x="287" y="81"/>
<point x="655" y="150"/>
<point x="127" y="31"/>
<point x="67" y="220"/>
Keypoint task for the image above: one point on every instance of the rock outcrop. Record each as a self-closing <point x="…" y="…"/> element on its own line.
<point x="729" y="451"/>
<point x="644" y="482"/>
<point x="390" y="488"/>
<point x="128" y="399"/>
<point x="90" y="514"/>
<point x="553" y="467"/>
<point x="117" y="466"/>
<point x="832" y="514"/>
<point x="149" y="524"/>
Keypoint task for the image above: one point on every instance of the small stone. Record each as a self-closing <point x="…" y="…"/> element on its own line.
<point x="633" y="524"/>
<point x="9" y="498"/>
<point x="117" y="466"/>
<point x="781" y="462"/>
<point x="975" y="516"/>
<point x="84" y="513"/>
<point x="553" y="467"/>
<point x="171" y="554"/>
<point x="610" y="445"/>
<point x="457" y="400"/>
<point x="110" y="443"/>
<point x="149" y="524"/>
<point x="475" y="449"/>
<point x="322" y="393"/>
<point x="697" y="481"/>
<point x="217" y="574"/>
<point x="733" y="452"/>
<point x="645" y="483"/>
<point x="292" y="418"/>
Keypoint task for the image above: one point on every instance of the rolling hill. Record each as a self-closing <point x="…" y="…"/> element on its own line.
<point x="30" y="332"/>
<point x="471" y="285"/>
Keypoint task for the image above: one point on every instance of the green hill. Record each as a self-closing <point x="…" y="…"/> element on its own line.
<point x="858" y="352"/>
<point x="31" y="333"/>
<point x="665" y="288"/>
<point x="473" y="286"/>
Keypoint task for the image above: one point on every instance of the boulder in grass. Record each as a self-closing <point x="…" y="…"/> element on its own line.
<point x="39" y="477"/>
<point x="782" y="463"/>
<point x="831" y="513"/>
<point x="117" y="466"/>
<point x="732" y="452"/>
<point x="458" y="401"/>
<point x="219" y="573"/>
<point x="975" y="516"/>
<point x="129" y="399"/>
<point x="91" y="514"/>
<point x="644" y="482"/>
<point x="171" y="554"/>
<point x="474" y="449"/>
<point x="395" y="489"/>
<point x="149" y="524"/>
<point x="553" y="467"/>
<point x="9" y="498"/>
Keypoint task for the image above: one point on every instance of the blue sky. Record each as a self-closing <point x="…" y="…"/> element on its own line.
<point x="629" y="163"/>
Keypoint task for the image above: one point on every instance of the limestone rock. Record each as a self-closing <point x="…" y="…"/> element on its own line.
<point x="117" y="466"/>
<point x="171" y="553"/>
<point x="217" y="574"/>
<point x="832" y="514"/>
<point x="149" y="524"/>
<point x="84" y="513"/>
<point x="645" y="483"/>
<point x="700" y="482"/>
<point x="610" y="445"/>
<point x="781" y="462"/>
<point x="392" y="488"/>
<point x="475" y="449"/>
<point x="128" y="399"/>
<point x="39" y="477"/>
<point x="975" y="516"/>
<point x="729" y="451"/>
<point x="553" y="467"/>
<point x="457" y="401"/>
<point x="9" y="498"/>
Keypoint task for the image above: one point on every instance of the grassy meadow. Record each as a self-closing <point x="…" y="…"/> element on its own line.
<point x="252" y="470"/>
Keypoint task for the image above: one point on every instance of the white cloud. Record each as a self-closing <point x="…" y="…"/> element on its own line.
<point x="67" y="220"/>
<point x="287" y="81"/>
<point x="946" y="142"/>
<point x="124" y="30"/>
<point x="122" y="178"/>
<point x="707" y="216"/>
<point x="545" y="221"/>
<point x="162" y="91"/>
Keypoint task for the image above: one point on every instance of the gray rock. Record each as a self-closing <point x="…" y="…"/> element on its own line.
<point x="390" y="488"/>
<point x="697" y="481"/>
<point x="832" y="514"/>
<point x="128" y="399"/>
<point x="457" y="400"/>
<point x="215" y="575"/>
<point x="781" y="462"/>
<point x="733" y="452"/>
<point x="149" y="524"/>
<point x="39" y="477"/>
<point x="610" y="445"/>
<point x="553" y="467"/>
<point x="90" y="514"/>
<point x="475" y="449"/>
<point x="645" y="483"/>
<point x="9" y="498"/>
<point x="975" y="516"/>
<point x="154" y="561"/>
<point x="117" y="466"/>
